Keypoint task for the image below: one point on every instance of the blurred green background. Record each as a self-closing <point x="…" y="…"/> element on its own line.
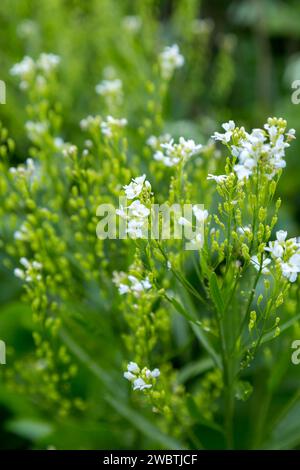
<point x="241" y="59"/>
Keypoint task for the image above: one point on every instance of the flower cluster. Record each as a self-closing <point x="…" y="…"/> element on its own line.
<point x="141" y="379"/>
<point x="27" y="170"/>
<point x="110" y="89"/>
<point x="136" y="214"/>
<point x="132" y="24"/>
<point x="172" y="153"/>
<point x="35" y="130"/>
<point x="27" y="68"/>
<point x="90" y="122"/>
<point x="169" y="60"/>
<point x="285" y="253"/>
<point x="31" y="271"/>
<point x="265" y="147"/>
<point x="128" y="283"/>
<point x="22" y="234"/>
<point x="111" y="126"/>
<point x="155" y="142"/>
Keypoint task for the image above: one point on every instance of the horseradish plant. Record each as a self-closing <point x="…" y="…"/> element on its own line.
<point x="226" y="295"/>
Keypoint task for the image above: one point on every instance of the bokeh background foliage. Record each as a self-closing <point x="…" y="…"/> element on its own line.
<point x="240" y="60"/>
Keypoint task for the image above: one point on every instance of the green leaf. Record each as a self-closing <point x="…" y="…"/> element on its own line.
<point x="196" y="413"/>
<point x="286" y="434"/>
<point x="180" y="309"/>
<point x="216" y="293"/>
<point x="194" y="369"/>
<point x="29" y="429"/>
<point x="203" y="339"/>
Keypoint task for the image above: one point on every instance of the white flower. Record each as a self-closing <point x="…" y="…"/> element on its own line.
<point x="111" y="89"/>
<point x="170" y="59"/>
<point x="123" y="289"/>
<point x="217" y="178"/>
<point x="35" y="129"/>
<point x="140" y="378"/>
<point x="198" y="239"/>
<point x="291" y="269"/>
<point x="112" y="126"/>
<point x="122" y="212"/>
<point x="275" y="249"/>
<point x="268" y="145"/>
<point x="137" y="209"/>
<point x="225" y="138"/>
<point x="242" y="172"/>
<point x="135" y="228"/>
<point x="133" y="367"/>
<point x="135" y="188"/>
<point x="140" y="384"/>
<point x="200" y="214"/>
<point x="244" y="229"/>
<point x="132" y="23"/>
<point x="19" y="273"/>
<point x="291" y="134"/>
<point x="281" y="235"/>
<point x="256" y="263"/>
<point x="155" y="142"/>
<point x="48" y="62"/>
<point x="26" y="28"/>
<point x="129" y="376"/>
<point x="131" y="284"/>
<point x="155" y="373"/>
<point x="89" y="122"/>
<point x="174" y="153"/>
<point x="31" y="270"/>
<point x="21" y="234"/>
<point x="24" y="68"/>
<point x="59" y="142"/>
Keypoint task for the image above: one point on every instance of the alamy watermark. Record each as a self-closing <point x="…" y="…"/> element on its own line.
<point x="2" y="92"/>
<point x="295" y="98"/>
<point x="156" y="222"/>
<point x="2" y="352"/>
<point x="295" y="358"/>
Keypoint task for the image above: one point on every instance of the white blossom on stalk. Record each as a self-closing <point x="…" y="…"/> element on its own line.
<point x="141" y="379"/>
<point x="90" y="122"/>
<point x="287" y="254"/>
<point x="28" y="170"/>
<point x="139" y="210"/>
<point x="30" y="272"/>
<point x="22" y="233"/>
<point x="111" y="126"/>
<point x="200" y="214"/>
<point x="111" y="89"/>
<point x="291" y="268"/>
<point x="134" y="189"/>
<point x="24" y="68"/>
<point x="217" y="178"/>
<point x="263" y="148"/>
<point x="169" y="60"/>
<point x="225" y="138"/>
<point x="171" y="153"/>
<point x="127" y="283"/>
<point x="48" y="62"/>
<point x="155" y="142"/>
<point x="36" y="129"/>
<point x="132" y="23"/>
